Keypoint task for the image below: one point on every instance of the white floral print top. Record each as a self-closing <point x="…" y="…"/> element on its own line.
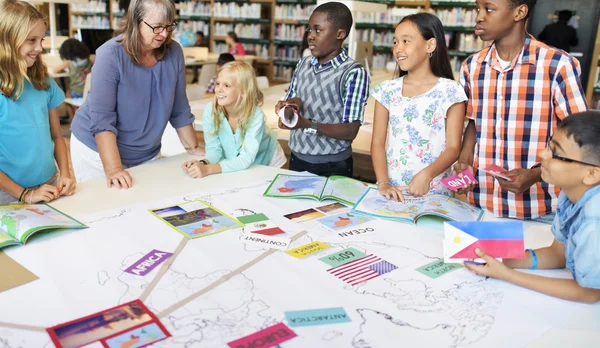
<point x="417" y="128"/>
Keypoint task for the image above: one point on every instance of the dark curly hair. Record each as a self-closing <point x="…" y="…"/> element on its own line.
<point x="72" y="49"/>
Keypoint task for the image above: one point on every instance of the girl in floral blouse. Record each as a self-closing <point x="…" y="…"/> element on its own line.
<point x="420" y="113"/>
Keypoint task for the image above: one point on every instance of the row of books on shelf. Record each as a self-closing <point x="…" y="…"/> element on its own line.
<point x="457" y="17"/>
<point x="92" y="6"/>
<point x="90" y="22"/>
<point x="193" y="8"/>
<point x="293" y="12"/>
<point x="237" y="10"/>
<point x="250" y="31"/>
<point x="289" y="32"/>
<point x="116" y="22"/>
<point x="288" y="53"/>
<point x="261" y="51"/>
<point x="283" y="73"/>
<point x="392" y="16"/>
<point x="468" y="42"/>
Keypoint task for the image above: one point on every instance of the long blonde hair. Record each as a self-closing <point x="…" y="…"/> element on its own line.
<point x="130" y="27"/>
<point x="17" y="18"/>
<point x="250" y="96"/>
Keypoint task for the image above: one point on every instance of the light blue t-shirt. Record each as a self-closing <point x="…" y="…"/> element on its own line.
<point x="26" y="147"/>
<point x="229" y="149"/>
<point x="577" y="226"/>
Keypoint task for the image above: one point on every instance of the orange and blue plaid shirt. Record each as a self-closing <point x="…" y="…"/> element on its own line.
<point x="515" y="110"/>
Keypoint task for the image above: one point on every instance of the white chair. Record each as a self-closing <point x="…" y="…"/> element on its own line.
<point x="195" y="92"/>
<point x="262" y="82"/>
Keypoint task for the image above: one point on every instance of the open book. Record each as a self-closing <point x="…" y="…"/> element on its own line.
<point x="339" y="188"/>
<point x="374" y="204"/>
<point x="19" y="221"/>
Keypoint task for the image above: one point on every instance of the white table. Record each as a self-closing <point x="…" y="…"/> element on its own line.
<point x="68" y="293"/>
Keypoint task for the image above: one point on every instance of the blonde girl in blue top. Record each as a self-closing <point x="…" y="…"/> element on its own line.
<point x="30" y="137"/>
<point x="234" y="126"/>
<point x="418" y="116"/>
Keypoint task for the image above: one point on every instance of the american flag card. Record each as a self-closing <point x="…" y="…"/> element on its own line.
<point x="361" y="270"/>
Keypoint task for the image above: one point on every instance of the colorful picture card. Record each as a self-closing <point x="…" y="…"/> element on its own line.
<point x="260" y="224"/>
<point x="362" y="269"/>
<point x="131" y="322"/>
<point x="343" y="220"/>
<point x="316" y="317"/>
<point x="304" y="215"/>
<point x="333" y="208"/>
<point x="503" y="239"/>
<point x="148" y="262"/>
<point x="196" y="219"/>
<point x="307" y="249"/>
<point x="454" y="182"/>
<point x="265" y="338"/>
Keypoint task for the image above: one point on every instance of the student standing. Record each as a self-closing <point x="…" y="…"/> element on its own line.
<point x="330" y="91"/>
<point x="518" y="89"/>
<point x="571" y="161"/>
<point x="30" y="137"/>
<point x="417" y="129"/>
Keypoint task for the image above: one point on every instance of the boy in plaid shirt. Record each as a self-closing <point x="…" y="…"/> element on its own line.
<point x="518" y="89"/>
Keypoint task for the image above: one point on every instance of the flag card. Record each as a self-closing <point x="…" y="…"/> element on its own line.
<point x="362" y="270"/>
<point x="502" y="239"/>
<point x="454" y="182"/>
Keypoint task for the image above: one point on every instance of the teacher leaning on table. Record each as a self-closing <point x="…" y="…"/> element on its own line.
<point x="138" y="85"/>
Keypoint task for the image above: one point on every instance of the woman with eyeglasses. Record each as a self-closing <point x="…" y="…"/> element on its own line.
<point x="137" y="86"/>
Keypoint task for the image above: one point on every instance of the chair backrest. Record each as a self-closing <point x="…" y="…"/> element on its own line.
<point x="262" y="82"/>
<point x="198" y="53"/>
<point x="206" y="73"/>
<point x="195" y="92"/>
<point x="87" y="85"/>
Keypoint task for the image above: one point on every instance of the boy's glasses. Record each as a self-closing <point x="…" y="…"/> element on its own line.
<point x="160" y="28"/>
<point x="565" y="159"/>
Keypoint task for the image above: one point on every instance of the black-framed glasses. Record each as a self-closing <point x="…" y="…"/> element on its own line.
<point x="566" y="159"/>
<point x="160" y="28"/>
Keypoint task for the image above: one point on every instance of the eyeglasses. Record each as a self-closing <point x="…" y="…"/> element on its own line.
<point x="160" y="28"/>
<point x="565" y="159"/>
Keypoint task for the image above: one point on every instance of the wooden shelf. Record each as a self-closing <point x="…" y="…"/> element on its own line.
<point x="291" y="21"/>
<point x="263" y="61"/>
<point x="466" y="29"/>
<point x="387" y="26"/>
<point x="241" y="20"/>
<point x="287" y="42"/>
<point x="90" y="14"/>
<point x="193" y="18"/>
<point x="453" y="3"/>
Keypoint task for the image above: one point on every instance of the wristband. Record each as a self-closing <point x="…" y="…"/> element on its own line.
<point x="383" y="183"/>
<point x="534" y="260"/>
<point x="22" y="195"/>
<point x="203" y="162"/>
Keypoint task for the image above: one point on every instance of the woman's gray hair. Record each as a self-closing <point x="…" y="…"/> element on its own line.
<point x="130" y="27"/>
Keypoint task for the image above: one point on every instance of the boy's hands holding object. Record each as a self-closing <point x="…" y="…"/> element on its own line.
<point x="280" y="108"/>
<point x="498" y="172"/>
<point x="521" y="179"/>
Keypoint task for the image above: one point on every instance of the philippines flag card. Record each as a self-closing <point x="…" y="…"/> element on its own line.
<point x="361" y="270"/>
<point x="498" y="239"/>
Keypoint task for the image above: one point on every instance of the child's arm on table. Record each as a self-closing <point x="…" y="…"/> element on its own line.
<point x="551" y="257"/>
<point x="65" y="184"/>
<point x="420" y="183"/>
<point x="379" y="157"/>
